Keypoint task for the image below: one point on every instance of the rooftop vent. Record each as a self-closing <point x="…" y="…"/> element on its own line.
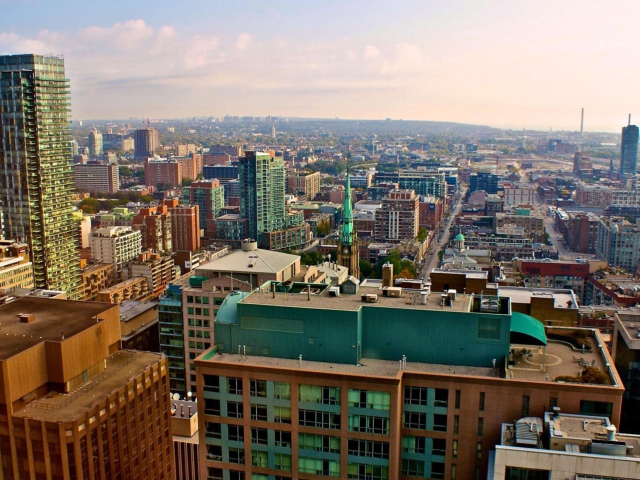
<point x="26" y="317"/>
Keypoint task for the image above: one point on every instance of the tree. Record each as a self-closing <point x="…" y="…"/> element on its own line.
<point x="146" y="198"/>
<point x="323" y="228"/>
<point x="90" y="205"/>
<point x="422" y="234"/>
<point x="365" y="267"/>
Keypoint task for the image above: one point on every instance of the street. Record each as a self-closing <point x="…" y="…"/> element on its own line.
<point x="431" y="259"/>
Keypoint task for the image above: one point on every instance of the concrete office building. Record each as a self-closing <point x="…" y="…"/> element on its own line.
<point x="96" y="177"/>
<point x="36" y="184"/>
<point x="72" y="404"/>
<point x="384" y="384"/>
<point x="146" y="142"/>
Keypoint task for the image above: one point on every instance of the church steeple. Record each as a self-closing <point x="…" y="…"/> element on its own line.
<point x="346" y="232"/>
<point x="348" y="251"/>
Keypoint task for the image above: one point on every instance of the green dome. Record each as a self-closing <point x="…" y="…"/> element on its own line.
<point x="459" y="237"/>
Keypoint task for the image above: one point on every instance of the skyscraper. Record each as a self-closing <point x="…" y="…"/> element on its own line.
<point x="35" y="160"/>
<point x="629" y="150"/>
<point x="262" y="187"/>
<point x="96" y="148"/>
<point x="146" y="141"/>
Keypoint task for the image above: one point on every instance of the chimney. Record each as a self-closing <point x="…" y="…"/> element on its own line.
<point x="556" y="412"/>
<point x="611" y="433"/>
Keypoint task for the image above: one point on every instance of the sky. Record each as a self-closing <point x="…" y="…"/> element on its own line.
<point x="511" y="64"/>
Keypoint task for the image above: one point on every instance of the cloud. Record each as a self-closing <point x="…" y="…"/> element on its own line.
<point x="371" y="52"/>
<point x="243" y="41"/>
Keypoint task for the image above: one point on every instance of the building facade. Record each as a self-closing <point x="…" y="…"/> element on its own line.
<point x="209" y="196"/>
<point x="629" y="150"/>
<point x="399" y="217"/>
<point x="117" y="245"/>
<point x="72" y="403"/>
<point x="618" y="242"/>
<point x="96" y="177"/>
<point x="185" y="227"/>
<point x="154" y="224"/>
<point x="146" y="141"/>
<point x="36" y="184"/>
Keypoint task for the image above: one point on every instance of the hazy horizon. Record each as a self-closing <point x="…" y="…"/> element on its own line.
<point x="524" y="64"/>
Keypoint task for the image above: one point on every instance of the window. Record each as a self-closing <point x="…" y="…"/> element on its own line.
<point x="367" y="472"/>
<point x="236" y="455"/>
<point x="283" y="439"/>
<point x="282" y="390"/>
<point x="258" y="412"/>
<point x="236" y="475"/>
<point x="283" y="461"/>
<point x="318" y="443"/>
<point x="437" y="470"/>
<point x="235" y="386"/>
<point x="370" y="399"/>
<point x="481" y="402"/>
<point x="211" y="406"/>
<point x="369" y="424"/>
<point x="456" y="424"/>
<point x="517" y="473"/>
<point x="282" y="414"/>
<point x="525" y="405"/>
<point x="318" y="394"/>
<point x="454" y="471"/>
<point x="439" y="423"/>
<point x="368" y="448"/>
<point x="259" y="459"/>
<point x="319" y="466"/>
<point x="214" y="453"/>
<point x="413" y="444"/>
<point x="454" y="452"/>
<point x="439" y="446"/>
<point x="258" y="388"/>
<point x="441" y="397"/>
<point x="588" y="407"/>
<point x="213" y="430"/>
<point x="315" y="418"/>
<point x="415" y="420"/>
<point x="234" y="409"/>
<point x="415" y="395"/>
<point x="488" y="328"/>
<point x="259" y="436"/>
<point x="480" y="426"/>
<point x="235" y="433"/>
<point x="214" y="473"/>
<point x="553" y="402"/>
<point x="479" y="451"/>
<point x="414" y="468"/>
<point x="457" y="405"/>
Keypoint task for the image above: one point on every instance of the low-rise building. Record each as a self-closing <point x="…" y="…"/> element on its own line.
<point x="97" y="277"/>
<point x="131" y="289"/>
<point x="156" y="269"/>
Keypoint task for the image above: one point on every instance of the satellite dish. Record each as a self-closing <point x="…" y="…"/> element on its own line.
<point x="189" y="394"/>
<point x="176" y="396"/>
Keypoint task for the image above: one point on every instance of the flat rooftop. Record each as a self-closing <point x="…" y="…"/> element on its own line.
<point x="59" y="407"/>
<point x="51" y="317"/>
<point x="368" y="366"/>
<point x="409" y="300"/>
<point x="130" y="309"/>
<point x="561" y="298"/>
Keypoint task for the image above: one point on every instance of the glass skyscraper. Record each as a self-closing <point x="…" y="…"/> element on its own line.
<point x="629" y="150"/>
<point x="36" y="181"/>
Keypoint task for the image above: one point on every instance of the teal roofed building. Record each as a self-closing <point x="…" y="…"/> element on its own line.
<point x="383" y="384"/>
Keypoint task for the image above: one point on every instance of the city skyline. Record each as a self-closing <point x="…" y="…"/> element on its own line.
<point x="510" y="66"/>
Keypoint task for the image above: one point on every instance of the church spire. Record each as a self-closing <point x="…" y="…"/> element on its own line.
<point x="346" y="232"/>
